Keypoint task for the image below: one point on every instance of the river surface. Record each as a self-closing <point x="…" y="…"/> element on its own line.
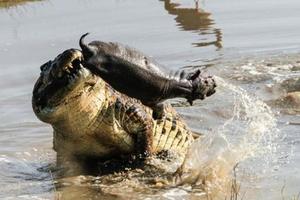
<point x="252" y="48"/>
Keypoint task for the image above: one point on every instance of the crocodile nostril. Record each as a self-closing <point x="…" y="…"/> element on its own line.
<point x="45" y="66"/>
<point x="54" y="71"/>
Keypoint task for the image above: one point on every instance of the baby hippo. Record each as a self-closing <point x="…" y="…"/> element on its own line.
<point x="136" y="75"/>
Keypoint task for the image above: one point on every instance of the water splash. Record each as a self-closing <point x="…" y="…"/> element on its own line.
<point x="26" y="175"/>
<point x="249" y="133"/>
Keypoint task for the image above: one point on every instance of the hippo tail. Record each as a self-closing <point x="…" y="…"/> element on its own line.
<point x="87" y="51"/>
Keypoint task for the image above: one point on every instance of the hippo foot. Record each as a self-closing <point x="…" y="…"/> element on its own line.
<point x="201" y="86"/>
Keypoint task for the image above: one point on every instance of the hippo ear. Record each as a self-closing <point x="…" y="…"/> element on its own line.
<point x="87" y="51"/>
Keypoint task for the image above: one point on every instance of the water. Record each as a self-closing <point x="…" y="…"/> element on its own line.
<point x="252" y="47"/>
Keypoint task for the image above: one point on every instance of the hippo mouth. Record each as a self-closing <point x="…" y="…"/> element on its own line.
<point x="57" y="79"/>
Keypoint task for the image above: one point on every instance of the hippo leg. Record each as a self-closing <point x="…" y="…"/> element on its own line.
<point x="191" y="86"/>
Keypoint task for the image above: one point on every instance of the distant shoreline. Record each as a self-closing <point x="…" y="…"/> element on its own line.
<point x="11" y="3"/>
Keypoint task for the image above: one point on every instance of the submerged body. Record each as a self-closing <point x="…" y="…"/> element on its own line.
<point x="136" y="75"/>
<point x="92" y="120"/>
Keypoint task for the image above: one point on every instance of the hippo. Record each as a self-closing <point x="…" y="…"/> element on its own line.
<point x="136" y="75"/>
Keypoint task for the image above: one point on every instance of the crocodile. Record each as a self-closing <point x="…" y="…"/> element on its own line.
<point x="131" y="72"/>
<point x="92" y="120"/>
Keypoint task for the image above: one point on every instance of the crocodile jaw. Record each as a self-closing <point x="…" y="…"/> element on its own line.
<point x="58" y="80"/>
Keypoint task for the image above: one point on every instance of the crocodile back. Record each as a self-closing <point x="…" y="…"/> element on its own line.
<point x="171" y="133"/>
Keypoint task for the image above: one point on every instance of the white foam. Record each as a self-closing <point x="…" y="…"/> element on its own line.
<point x="249" y="133"/>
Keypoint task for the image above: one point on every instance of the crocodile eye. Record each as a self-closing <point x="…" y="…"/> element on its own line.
<point x="88" y="85"/>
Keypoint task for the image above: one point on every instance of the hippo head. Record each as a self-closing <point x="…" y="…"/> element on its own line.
<point x="63" y="82"/>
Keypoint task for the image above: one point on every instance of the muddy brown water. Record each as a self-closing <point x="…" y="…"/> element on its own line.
<point x="253" y="49"/>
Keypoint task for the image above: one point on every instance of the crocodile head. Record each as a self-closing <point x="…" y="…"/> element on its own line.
<point x="60" y="87"/>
